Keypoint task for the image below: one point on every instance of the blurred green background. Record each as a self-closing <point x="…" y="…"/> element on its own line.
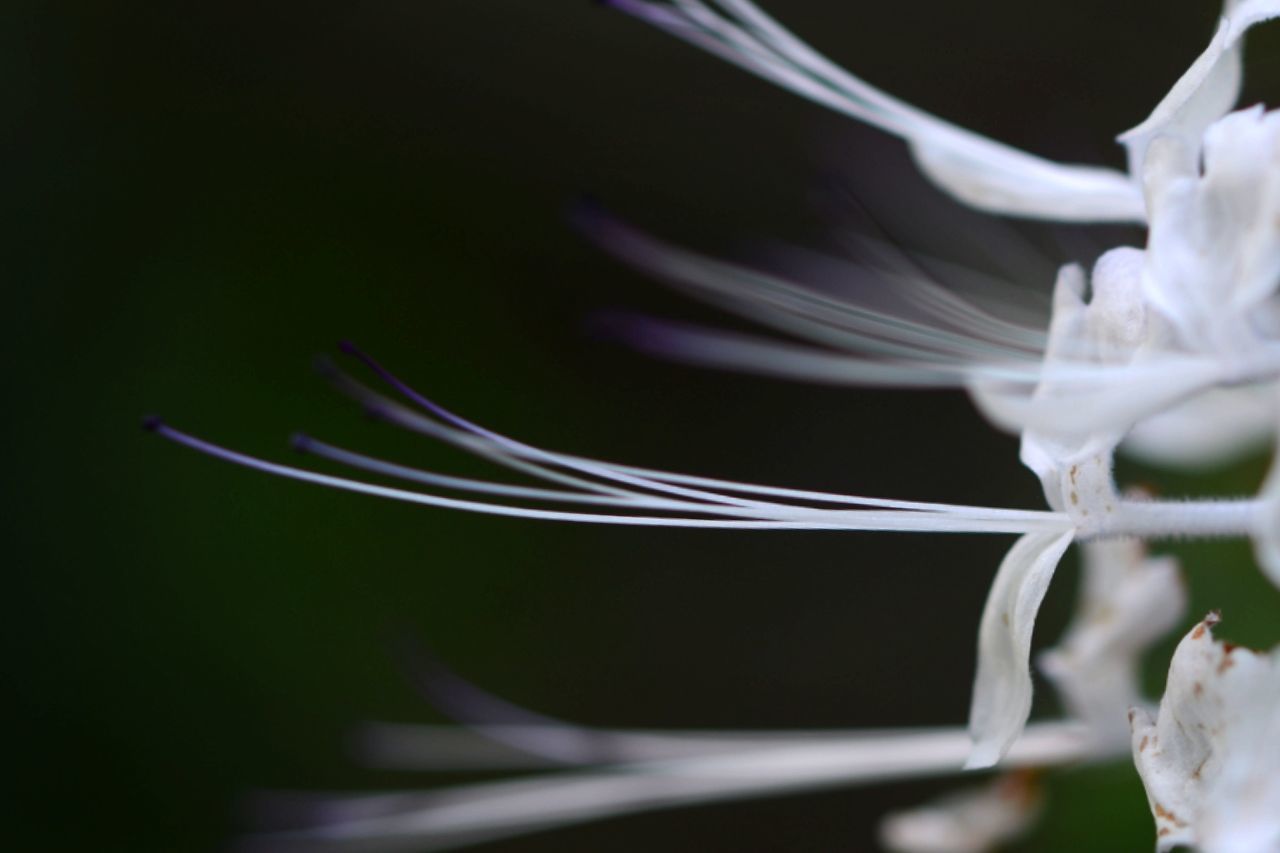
<point x="201" y="197"/>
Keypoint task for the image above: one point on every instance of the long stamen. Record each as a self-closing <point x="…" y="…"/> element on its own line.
<point x="464" y="815"/>
<point x="723" y="517"/>
<point x="315" y="447"/>
<point x="649" y="479"/>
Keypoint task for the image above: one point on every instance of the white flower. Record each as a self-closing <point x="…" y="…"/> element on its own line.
<point x="1129" y="354"/>
<point x="1153" y="331"/>
<point x="1210" y="760"/>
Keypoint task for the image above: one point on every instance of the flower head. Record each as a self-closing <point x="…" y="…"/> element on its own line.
<point x="1126" y="355"/>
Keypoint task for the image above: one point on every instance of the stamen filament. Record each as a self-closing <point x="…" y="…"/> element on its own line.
<point x="748" y="518"/>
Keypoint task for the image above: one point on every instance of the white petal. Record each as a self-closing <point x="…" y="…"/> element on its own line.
<point x="1127" y="602"/>
<point x="1210" y="761"/>
<point x="1213" y="255"/>
<point x="971" y="821"/>
<point x="1208" y="89"/>
<point x="993" y="177"/>
<point x="1002" y="688"/>
<point x="1100" y="373"/>
<point x="1208" y="430"/>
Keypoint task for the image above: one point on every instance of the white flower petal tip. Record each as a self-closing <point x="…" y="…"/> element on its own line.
<point x="1206" y="91"/>
<point x="1002" y="688"/>
<point x="1210" y="760"/>
<point x="971" y="821"/>
<point x="1127" y="602"/>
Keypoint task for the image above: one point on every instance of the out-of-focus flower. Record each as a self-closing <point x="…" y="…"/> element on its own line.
<point x="1127" y="602"/>
<point x="1207" y="430"/>
<point x="1210" y="759"/>
<point x="971" y="821"/>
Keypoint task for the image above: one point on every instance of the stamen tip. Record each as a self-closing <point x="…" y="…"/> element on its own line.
<point x="300" y="442"/>
<point x="152" y="423"/>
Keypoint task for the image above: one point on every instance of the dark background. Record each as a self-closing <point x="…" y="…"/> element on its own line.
<point x="200" y="197"/>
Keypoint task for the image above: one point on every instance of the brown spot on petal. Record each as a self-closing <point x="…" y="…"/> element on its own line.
<point x="1164" y="814"/>
<point x="1198" y="632"/>
<point x="1075" y="469"/>
<point x="1227" y="662"/>
<point x="1075" y="499"/>
<point x="1197" y="689"/>
<point x="1142" y="746"/>
<point x="1164" y="830"/>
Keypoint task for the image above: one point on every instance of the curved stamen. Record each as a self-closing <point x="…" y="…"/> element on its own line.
<point x="762" y="517"/>
<point x="646" y="478"/>
<point x="454" y="817"/>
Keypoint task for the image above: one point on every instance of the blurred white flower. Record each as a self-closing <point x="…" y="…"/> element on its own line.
<point x="1127" y="602"/>
<point x="1207" y="430"/>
